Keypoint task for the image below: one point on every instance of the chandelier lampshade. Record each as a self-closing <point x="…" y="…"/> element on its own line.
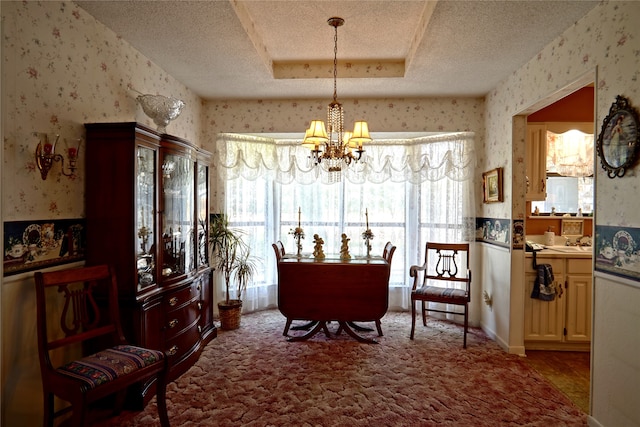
<point x="331" y="146"/>
<point x="360" y="135"/>
<point x="315" y="135"/>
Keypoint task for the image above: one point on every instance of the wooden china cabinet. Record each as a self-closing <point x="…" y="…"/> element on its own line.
<point x="147" y="203"/>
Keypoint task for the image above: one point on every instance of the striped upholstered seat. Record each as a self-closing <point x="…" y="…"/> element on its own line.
<point x="107" y="365"/>
<point x="440" y="292"/>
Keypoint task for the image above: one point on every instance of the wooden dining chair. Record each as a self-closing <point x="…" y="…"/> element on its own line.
<point x="387" y="254"/>
<point x="442" y="280"/>
<point x="77" y="312"/>
<point x="278" y="248"/>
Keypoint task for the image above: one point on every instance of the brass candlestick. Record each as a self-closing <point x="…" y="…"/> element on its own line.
<point x="368" y="237"/>
<point x="298" y="235"/>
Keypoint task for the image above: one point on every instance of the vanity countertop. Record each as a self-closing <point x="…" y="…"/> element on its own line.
<point x="564" y="252"/>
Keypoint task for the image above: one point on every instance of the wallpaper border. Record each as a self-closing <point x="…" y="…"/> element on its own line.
<point x="617" y="251"/>
<point x="32" y="245"/>
<point x="496" y="231"/>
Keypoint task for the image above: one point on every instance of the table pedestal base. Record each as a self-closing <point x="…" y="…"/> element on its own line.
<point x="322" y="325"/>
<point x="304" y="327"/>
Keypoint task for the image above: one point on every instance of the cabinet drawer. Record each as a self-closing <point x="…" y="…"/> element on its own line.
<point x="183" y="342"/>
<point x="581" y="266"/>
<point x="557" y="264"/>
<point x="177" y="299"/>
<point x="176" y="321"/>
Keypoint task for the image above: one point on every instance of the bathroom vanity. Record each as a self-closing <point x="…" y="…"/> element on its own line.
<point x="565" y="322"/>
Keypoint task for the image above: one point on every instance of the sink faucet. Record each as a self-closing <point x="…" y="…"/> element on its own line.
<point x="576" y="243"/>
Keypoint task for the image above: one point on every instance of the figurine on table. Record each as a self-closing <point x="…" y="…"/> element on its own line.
<point x="344" y="249"/>
<point x="318" y="253"/>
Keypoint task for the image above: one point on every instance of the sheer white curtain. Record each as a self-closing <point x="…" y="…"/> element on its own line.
<point x="414" y="189"/>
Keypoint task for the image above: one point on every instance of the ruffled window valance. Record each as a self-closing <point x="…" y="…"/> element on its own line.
<point x="570" y="153"/>
<point x="425" y="158"/>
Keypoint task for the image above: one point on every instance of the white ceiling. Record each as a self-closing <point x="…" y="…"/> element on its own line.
<point x="229" y="49"/>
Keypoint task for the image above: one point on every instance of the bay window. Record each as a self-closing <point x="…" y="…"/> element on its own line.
<point x="414" y="189"/>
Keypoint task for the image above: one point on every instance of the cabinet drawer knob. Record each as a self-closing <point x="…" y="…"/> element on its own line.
<point x="173" y="323"/>
<point x="173" y="301"/>
<point x="173" y="350"/>
<point x="199" y="306"/>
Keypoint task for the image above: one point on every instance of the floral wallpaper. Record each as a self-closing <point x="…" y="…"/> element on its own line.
<point x="61" y="69"/>
<point x="607" y="38"/>
<point x="383" y="115"/>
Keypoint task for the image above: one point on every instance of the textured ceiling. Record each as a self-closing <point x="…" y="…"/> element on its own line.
<point x="284" y="49"/>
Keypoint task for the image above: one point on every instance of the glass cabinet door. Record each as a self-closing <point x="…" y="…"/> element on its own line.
<point x="145" y="217"/>
<point x="203" y="209"/>
<point x="178" y="244"/>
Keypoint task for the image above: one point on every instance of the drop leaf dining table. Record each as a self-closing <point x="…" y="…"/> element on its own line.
<point x="332" y="289"/>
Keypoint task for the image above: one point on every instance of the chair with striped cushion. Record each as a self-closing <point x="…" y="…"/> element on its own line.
<point x="444" y="280"/>
<point x="77" y="310"/>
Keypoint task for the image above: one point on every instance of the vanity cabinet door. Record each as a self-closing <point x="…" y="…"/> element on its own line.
<point x="579" y="291"/>
<point x="536" y="162"/>
<point x="544" y="320"/>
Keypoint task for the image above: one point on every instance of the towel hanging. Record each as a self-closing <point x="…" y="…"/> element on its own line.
<point x="543" y="287"/>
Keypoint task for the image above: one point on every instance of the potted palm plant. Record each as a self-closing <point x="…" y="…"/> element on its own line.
<point x="232" y="258"/>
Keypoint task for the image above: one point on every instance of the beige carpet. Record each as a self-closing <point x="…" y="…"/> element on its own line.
<point x="254" y="377"/>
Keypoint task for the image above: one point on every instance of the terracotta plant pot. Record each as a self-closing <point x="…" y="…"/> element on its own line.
<point x="230" y="314"/>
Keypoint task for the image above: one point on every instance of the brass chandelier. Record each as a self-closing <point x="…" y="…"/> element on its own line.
<point x="336" y="148"/>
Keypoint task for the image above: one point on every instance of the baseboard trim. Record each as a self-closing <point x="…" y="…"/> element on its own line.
<point x="592" y="422"/>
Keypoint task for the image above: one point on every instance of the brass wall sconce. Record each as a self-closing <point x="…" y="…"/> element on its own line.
<point x="46" y="155"/>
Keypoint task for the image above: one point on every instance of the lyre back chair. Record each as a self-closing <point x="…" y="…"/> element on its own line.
<point x="444" y="278"/>
<point x="71" y="318"/>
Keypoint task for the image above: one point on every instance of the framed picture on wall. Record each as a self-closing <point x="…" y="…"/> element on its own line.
<point x="619" y="138"/>
<point x="573" y="227"/>
<point x="492" y="186"/>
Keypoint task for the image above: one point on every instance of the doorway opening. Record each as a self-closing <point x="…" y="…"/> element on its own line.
<point x="547" y="333"/>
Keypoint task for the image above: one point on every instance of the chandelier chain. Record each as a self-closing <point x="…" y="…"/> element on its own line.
<point x="335" y="64"/>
